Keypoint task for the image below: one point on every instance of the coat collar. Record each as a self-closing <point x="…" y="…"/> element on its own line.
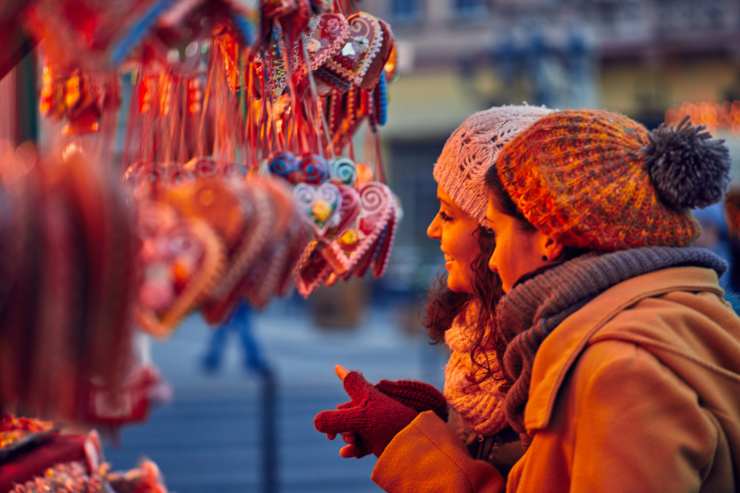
<point x="563" y="346"/>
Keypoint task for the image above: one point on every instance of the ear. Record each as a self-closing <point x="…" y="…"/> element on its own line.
<point x="550" y="248"/>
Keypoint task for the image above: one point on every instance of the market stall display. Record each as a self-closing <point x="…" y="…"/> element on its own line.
<point x="235" y="178"/>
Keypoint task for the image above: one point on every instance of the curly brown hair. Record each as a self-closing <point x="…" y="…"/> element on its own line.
<point x="443" y="304"/>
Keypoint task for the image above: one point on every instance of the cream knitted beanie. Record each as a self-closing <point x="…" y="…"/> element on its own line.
<point x="472" y="149"/>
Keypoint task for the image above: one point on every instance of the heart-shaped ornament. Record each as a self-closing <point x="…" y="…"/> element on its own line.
<point x="319" y="205"/>
<point x="358" y="54"/>
<point x="181" y="260"/>
<point x="354" y="248"/>
<point x="327" y="34"/>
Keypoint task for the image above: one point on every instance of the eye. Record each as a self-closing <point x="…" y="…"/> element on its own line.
<point x="444" y="216"/>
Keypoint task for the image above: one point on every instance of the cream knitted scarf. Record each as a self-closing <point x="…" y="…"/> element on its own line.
<point x="479" y="401"/>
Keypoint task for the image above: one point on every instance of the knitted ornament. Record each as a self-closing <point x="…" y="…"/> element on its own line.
<point x="473" y="147"/>
<point x="480" y="401"/>
<point x="598" y="180"/>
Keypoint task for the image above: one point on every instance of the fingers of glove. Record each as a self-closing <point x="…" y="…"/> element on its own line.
<point x="411" y="388"/>
<point x="333" y="422"/>
<point x="350" y="438"/>
<point x="356" y="386"/>
<point x="345" y="405"/>
<point x="418" y="400"/>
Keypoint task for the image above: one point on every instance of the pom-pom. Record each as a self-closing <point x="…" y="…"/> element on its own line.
<point x="687" y="167"/>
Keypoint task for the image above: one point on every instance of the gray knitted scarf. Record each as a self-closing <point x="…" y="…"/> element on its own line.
<point x="533" y="308"/>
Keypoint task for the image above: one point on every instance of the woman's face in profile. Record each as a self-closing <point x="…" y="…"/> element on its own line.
<point x="454" y="229"/>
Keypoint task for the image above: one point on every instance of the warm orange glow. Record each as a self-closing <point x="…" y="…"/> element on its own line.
<point x="714" y="116"/>
<point x="73" y="92"/>
<point x="391" y="66"/>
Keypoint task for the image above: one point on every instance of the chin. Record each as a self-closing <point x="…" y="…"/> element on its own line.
<point x="456" y="286"/>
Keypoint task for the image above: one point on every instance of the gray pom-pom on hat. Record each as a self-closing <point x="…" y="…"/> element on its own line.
<point x="687" y="167"/>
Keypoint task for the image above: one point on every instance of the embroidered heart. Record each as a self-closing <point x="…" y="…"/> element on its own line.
<point x="354" y="249"/>
<point x="348" y="210"/>
<point x="319" y="205"/>
<point x="359" y="53"/>
<point x="327" y="33"/>
<point x="311" y="270"/>
<point x="263" y="279"/>
<point x="181" y="259"/>
<point x="385" y="243"/>
<point x="377" y="65"/>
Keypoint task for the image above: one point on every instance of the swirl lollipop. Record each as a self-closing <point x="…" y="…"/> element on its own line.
<point x="343" y="169"/>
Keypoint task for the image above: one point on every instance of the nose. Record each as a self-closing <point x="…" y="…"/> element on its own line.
<point x="433" y="230"/>
<point x="491" y="264"/>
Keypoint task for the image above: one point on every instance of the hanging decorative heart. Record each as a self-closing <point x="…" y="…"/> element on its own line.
<point x="319" y="205"/>
<point x="354" y="248"/>
<point x="327" y="33"/>
<point x="358" y="54"/>
<point x="182" y="259"/>
<point x="348" y="212"/>
<point x="312" y="269"/>
<point x="377" y="64"/>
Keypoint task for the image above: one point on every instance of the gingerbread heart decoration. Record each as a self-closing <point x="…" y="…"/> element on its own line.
<point x="327" y="34"/>
<point x="325" y="262"/>
<point x="377" y="65"/>
<point x="376" y="211"/>
<point x="348" y="211"/>
<point x="319" y="205"/>
<point x="366" y="42"/>
<point x="312" y="268"/>
<point x="181" y="260"/>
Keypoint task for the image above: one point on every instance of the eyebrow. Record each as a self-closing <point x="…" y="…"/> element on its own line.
<point x="444" y="201"/>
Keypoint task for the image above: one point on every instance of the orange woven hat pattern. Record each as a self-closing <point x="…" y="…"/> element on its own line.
<point x="581" y="177"/>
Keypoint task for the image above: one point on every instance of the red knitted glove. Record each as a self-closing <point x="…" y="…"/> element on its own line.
<point x="417" y="395"/>
<point x="371" y="416"/>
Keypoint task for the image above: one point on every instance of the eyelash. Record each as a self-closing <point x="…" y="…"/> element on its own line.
<point x="444" y="216"/>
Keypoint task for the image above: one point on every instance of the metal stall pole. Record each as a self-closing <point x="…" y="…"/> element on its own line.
<point x="268" y="430"/>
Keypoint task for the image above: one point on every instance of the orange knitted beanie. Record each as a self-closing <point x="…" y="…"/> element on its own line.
<point x="599" y="180"/>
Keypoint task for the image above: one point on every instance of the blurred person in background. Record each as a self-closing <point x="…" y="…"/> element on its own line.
<point x="240" y="322"/>
<point x="619" y="354"/>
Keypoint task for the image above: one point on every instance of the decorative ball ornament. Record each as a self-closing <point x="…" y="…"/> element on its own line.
<point x="314" y="169"/>
<point x="284" y="165"/>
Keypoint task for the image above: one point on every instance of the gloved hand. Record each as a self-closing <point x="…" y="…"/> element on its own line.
<point x="419" y="396"/>
<point x="368" y="422"/>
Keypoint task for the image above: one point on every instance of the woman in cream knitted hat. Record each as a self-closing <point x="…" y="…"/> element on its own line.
<point x="460" y="310"/>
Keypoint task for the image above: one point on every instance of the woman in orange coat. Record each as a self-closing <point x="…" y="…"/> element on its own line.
<point x="621" y="355"/>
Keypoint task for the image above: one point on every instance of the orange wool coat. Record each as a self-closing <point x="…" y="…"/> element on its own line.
<point x="638" y="391"/>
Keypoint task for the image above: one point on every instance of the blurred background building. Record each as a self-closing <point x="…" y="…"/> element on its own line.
<point x="639" y="57"/>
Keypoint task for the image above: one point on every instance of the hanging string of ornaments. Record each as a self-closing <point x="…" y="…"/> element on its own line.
<point x="238" y="147"/>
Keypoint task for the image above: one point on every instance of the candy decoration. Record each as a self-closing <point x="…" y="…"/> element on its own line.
<point x="314" y="169"/>
<point x="343" y="170"/>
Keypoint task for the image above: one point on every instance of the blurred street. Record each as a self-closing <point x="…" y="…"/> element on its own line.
<point x="208" y="439"/>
